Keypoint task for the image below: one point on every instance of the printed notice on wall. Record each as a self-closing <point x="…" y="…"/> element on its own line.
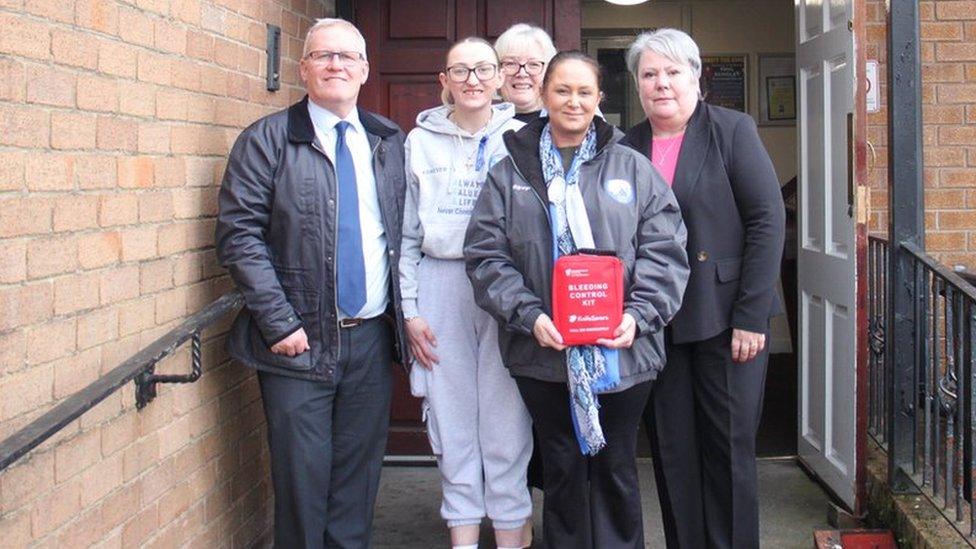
<point x="871" y="74"/>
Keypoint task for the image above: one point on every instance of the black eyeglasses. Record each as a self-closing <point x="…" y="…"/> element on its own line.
<point x="460" y="73"/>
<point x="323" y="57"/>
<point x="532" y="68"/>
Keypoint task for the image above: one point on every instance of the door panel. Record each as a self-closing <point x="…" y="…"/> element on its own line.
<point x="406" y="43"/>
<point x="827" y="251"/>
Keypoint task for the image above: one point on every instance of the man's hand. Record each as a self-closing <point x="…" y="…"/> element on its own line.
<point x="294" y="344"/>
<point x="546" y="334"/>
<point x="746" y="345"/>
<point x="623" y="336"/>
<point x="422" y="342"/>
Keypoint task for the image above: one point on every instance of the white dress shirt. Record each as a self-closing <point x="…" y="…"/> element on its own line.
<point x="370" y="220"/>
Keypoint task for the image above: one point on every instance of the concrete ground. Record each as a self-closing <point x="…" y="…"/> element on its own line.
<point x="791" y="507"/>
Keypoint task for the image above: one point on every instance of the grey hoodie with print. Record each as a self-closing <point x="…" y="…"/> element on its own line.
<point x="446" y="168"/>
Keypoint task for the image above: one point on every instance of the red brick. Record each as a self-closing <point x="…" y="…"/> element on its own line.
<point x="99" y="249"/>
<point x="23" y="216"/>
<point x="169" y="37"/>
<point x="13" y="261"/>
<point x="190" y="203"/>
<point x="155" y="276"/>
<point x="137" y="316"/>
<point x="200" y="108"/>
<point x="204" y="172"/>
<point x="957" y="135"/>
<point x="50" y="172"/>
<point x="24" y="36"/>
<point x="114" y="133"/>
<point x="51" y="256"/>
<point x="155" y="206"/>
<point x="140" y="527"/>
<point x="119" y="433"/>
<point x="12" y="170"/>
<point x="169" y="172"/>
<point x="171" y="305"/>
<point x="155" y="68"/>
<point x="118" y="209"/>
<point x="97" y="327"/>
<point x="941" y="30"/>
<point x="138" y="243"/>
<point x="135" y="27"/>
<point x="95" y="171"/>
<point x="153" y="138"/>
<point x="170" y="105"/>
<point x="180" y="237"/>
<point x="75" y="293"/>
<point x="25" y="305"/>
<point x="100" y="480"/>
<point x="955" y="10"/>
<point x="943" y="72"/>
<point x="72" y="130"/>
<point x="56" y="508"/>
<point x="12" y="80"/>
<point x="24" y="126"/>
<point x="50" y="86"/>
<point x="26" y="391"/>
<point x="201" y="140"/>
<point x="17" y="528"/>
<point x="98" y="93"/>
<point x="97" y="15"/>
<point x="119" y="284"/>
<point x="957" y="93"/>
<point x="958" y="177"/>
<point x="76" y="455"/>
<point x="13" y="353"/>
<point x="945" y="241"/>
<point x="74" y="373"/>
<point x="950" y="51"/>
<point x="74" y="48"/>
<point x="957" y="220"/>
<point x="137" y="98"/>
<point x="116" y="58"/>
<point x="34" y="474"/>
<point x="134" y="172"/>
<point x="75" y="212"/>
<point x="944" y="156"/>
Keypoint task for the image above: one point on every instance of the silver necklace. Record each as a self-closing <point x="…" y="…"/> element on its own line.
<point x="665" y="153"/>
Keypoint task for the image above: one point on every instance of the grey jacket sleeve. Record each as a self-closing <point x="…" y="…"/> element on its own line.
<point x="499" y="287"/>
<point x="244" y="209"/>
<point x="760" y="203"/>
<point x="661" y="262"/>
<point x="412" y="240"/>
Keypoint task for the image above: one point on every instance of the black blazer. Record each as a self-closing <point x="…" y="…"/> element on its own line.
<point x="732" y="206"/>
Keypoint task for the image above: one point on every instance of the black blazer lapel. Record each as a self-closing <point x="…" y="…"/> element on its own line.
<point x="694" y="150"/>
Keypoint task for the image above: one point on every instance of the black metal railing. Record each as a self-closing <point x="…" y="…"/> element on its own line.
<point x="140" y="368"/>
<point x="935" y="411"/>
<point x="877" y="313"/>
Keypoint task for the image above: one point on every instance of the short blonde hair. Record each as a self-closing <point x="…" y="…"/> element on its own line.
<point x="520" y="35"/>
<point x="327" y="22"/>
<point x="446" y="98"/>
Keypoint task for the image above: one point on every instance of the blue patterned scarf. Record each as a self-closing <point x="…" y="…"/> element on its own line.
<point x="590" y="369"/>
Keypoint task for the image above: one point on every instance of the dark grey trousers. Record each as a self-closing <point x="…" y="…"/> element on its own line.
<point x="702" y="420"/>
<point x="327" y="441"/>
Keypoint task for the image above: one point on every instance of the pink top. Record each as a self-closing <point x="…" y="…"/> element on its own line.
<point x="664" y="155"/>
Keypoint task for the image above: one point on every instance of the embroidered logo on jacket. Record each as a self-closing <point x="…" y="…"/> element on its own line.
<point x="620" y="190"/>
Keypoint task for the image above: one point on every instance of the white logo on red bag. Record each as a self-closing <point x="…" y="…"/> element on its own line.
<point x="572" y="318"/>
<point x="576" y="273"/>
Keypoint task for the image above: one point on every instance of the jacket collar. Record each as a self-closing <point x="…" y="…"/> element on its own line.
<point x="523" y="147"/>
<point x="694" y="148"/>
<point x="301" y="130"/>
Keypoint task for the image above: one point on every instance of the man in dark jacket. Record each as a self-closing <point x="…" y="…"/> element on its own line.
<point x="309" y="229"/>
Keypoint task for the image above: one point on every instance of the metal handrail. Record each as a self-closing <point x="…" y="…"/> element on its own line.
<point x="952" y="277"/>
<point x="139" y="367"/>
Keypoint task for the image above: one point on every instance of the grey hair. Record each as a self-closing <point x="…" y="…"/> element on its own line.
<point x="328" y="22"/>
<point x="518" y="35"/>
<point x="674" y="44"/>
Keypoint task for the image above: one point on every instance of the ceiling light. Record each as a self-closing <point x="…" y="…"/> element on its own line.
<point x="626" y="2"/>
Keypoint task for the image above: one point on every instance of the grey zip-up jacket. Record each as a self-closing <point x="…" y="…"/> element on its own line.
<point x="508" y="250"/>
<point x="276" y="231"/>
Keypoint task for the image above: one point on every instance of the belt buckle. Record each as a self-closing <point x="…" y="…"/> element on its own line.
<point x="350" y="322"/>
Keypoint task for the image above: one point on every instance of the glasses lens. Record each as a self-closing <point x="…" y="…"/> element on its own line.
<point x="510" y="67"/>
<point x="484" y="72"/>
<point x="349" y="57"/>
<point x="458" y="74"/>
<point x="534" y="67"/>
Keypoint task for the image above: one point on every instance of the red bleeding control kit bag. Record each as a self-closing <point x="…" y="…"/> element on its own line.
<point x="587" y="296"/>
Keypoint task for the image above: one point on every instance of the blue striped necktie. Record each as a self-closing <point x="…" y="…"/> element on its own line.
<point x="350" y="267"/>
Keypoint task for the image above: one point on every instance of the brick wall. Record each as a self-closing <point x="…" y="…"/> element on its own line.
<point x="115" y="121"/>
<point x="948" y="48"/>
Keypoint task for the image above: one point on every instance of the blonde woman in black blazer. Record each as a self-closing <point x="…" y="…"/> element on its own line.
<point x="704" y="411"/>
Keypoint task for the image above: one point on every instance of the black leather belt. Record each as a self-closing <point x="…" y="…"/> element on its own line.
<point x="351" y="322"/>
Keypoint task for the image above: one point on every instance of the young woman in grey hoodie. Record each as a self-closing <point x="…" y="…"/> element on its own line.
<point x="478" y="426"/>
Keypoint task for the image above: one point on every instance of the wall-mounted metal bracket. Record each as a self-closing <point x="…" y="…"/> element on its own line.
<point x="147" y="380"/>
<point x="273" y="50"/>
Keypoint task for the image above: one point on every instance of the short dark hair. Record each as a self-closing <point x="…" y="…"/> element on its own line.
<point x="573" y="55"/>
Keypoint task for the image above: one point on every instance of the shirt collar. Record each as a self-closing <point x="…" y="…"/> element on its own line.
<point x="325" y="120"/>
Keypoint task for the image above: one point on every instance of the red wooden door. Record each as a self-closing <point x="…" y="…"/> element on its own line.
<point x="406" y="42"/>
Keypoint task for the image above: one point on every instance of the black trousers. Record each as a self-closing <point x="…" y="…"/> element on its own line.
<point x="327" y="441"/>
<point x="702" y="420"/>
<point x="590" y="502"/>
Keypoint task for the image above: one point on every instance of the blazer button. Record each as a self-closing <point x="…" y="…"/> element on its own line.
<point x="703" y="256"/>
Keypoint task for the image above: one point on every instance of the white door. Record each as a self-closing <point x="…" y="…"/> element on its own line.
<point x="827" y="250"/>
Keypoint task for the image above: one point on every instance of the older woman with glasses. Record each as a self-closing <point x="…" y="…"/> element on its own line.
<point x="704" y="411"/>
<point x="478" y="426"/>
<point x="524" y="51"/>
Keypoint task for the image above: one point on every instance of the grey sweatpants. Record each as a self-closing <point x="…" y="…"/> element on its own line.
<point x="478" y="426"/>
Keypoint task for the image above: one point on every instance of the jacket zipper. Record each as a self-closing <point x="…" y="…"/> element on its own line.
<point x="545" y="208"/>
<point x="335" y="232"/>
